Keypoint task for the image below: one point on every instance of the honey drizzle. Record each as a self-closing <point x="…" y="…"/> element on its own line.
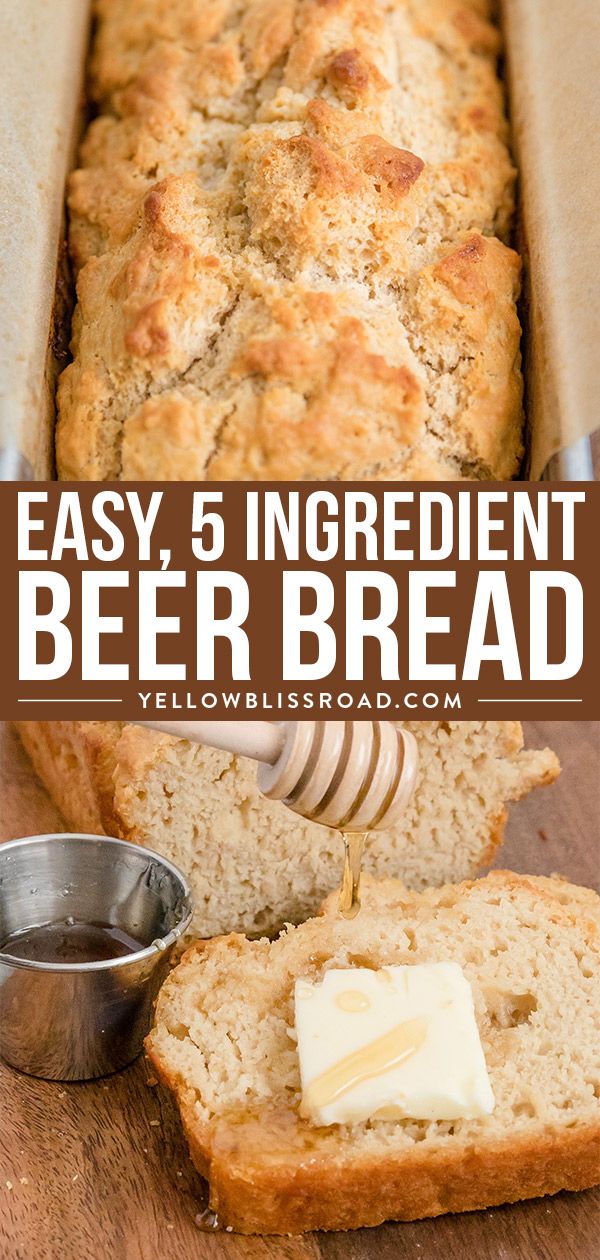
<point x="374" y="1059"/>
<point x="207" y="1221"/>
<point x="349" y="898"/>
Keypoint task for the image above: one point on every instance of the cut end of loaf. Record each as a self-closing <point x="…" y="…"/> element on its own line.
<point x="223" y="1042"/>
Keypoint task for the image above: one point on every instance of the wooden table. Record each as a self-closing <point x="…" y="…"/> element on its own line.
<point x="100" y="1172"/>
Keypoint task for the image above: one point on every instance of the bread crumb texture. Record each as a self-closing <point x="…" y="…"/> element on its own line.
<point x="289" y="227"/>
<point x="253" y="865"/>
<point x="223" y="1041"/>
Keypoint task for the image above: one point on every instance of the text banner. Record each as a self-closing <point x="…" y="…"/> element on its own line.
<point x="285" y="600"/>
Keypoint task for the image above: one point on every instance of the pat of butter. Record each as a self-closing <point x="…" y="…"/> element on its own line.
<point x="400" y="1042"/>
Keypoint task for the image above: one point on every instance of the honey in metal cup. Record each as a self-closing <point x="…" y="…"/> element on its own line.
<point x="115" y="907"/>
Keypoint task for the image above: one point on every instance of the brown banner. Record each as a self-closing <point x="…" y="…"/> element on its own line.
<point x="286" y="600"/>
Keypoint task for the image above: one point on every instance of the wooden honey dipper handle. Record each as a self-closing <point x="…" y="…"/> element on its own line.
<point x="356" y="776"/>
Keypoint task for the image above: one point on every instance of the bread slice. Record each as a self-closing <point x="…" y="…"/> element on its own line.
<point x="252" y="864"/>
<point x="223" y="1042"/>
<point x="289" y="225"/>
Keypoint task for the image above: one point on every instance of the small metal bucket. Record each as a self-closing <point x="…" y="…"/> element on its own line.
<point x="78" y="1020"/>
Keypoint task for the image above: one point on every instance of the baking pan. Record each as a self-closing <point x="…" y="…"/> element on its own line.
<point x="42" y="59"/>
<point x="552" y="81"/>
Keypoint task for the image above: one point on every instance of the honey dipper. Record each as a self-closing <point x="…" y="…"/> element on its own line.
<point x="355" y="776"/>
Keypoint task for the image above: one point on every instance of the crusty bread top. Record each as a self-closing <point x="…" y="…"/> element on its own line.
<point x="530" y="947"/>
<point x="288" y="222"/>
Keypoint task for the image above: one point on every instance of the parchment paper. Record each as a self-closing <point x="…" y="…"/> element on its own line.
<point x="42" y="52"/>
<point x="553" y="51"/>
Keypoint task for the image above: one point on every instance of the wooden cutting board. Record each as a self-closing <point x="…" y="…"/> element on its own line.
<point x="100" y="1171"/>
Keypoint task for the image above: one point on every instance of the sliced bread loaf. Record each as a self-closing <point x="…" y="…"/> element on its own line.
<point x="223" y="1042"/>
<point x="252" y="864"/>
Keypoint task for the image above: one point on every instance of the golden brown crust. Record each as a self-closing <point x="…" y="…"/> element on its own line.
<point x="265" y="1200"/>
<point x="271" y="1172"/>
<point x="497" y="828"/>
<point x="76" y="761"/>
<point x="318" y="157"/>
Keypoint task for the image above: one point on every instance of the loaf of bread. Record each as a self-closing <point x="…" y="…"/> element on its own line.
<point x="252" y="864"/>
<point x="290" y="229"/>
<point x="530" y="949"/>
